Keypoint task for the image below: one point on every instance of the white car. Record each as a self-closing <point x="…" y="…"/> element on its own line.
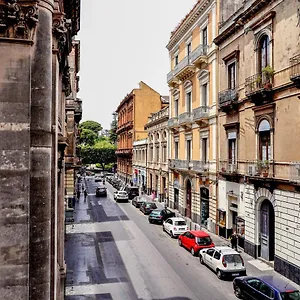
<point x="224" y="261"/>
<point x="175" y="226"/>
<point x="121" y="196"/>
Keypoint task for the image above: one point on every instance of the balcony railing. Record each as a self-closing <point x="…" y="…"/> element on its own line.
<point x="261" y="168"/>
<point x="294" y="172"/>
<point x="199" y="55"/>
<point x="179" y="164"/>
<point x="258" y="82"/>
<point x="124" y="151"/>
<point x="228" y="166"/>
<point x="173" y="122"/>
<point x="159" y="115"/>
<point x="182" y="64"/>
<point x="200" y="113"/>
<point x="185" y="118"/>
<point x="199" y="166"/>
<point x="227" y="97"/>
<point x="295" y="70"/>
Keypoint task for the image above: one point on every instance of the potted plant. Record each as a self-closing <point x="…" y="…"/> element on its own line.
<point x="268" y="74"/>
<point x="263" y="168"/>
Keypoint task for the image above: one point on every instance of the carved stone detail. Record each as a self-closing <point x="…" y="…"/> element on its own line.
<point x="18" y="21"/>
<point x="66" y="81"/>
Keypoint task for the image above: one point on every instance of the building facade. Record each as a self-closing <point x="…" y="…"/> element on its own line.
<point x="35" y="41"/>
<point x="133" y="112"/>
<point x="259" y="176"/>
<point x="193" y="115"/>
<point x="139" y="164"/>
<point x="157" y="158"/>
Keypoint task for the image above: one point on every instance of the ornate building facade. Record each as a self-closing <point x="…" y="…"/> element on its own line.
<point x="35" y="41"/>
<point x="259" y="192"/>
<point x="133" y="112"/>
<point x="193" y="115"/>
<point x="157" y="150"/>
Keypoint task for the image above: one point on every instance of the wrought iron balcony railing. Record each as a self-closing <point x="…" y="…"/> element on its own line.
<point x="295" y="70"/>
<point x="179" y="164"/>
<point x="227" y="97"/>
<point x="257" y="83"/>
<point x="199" y="166"/>
<point x="228" y="166"/>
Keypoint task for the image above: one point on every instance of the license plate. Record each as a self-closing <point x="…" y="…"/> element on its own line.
<point x="235" y="274"/>
<point x="181" y="228"/>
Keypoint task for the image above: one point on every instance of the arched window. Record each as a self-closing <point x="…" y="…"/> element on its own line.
<point x="264" y="131"/>
<point x="264" y="52"/>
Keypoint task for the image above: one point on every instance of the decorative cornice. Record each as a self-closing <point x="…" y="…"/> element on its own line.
<point x="18" y="20"/>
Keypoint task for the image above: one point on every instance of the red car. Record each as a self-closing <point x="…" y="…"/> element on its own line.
<point x="195" y="240"/>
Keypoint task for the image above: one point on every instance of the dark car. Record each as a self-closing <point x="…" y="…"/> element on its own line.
<point x="137" y="201"/>
<point x="101" y="191"/>
<point x="132" y="191"/>
<point x="147" y="207"/>
<point x="264" y="287"/>
<point x="160" y="215"/>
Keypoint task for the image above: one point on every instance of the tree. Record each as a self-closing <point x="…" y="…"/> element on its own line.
<point x="88" y="137"/>
<point x="113" y="130"/>
<point x="91" y="125"/>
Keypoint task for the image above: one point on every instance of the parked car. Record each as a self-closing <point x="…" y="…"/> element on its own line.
<point x="264" y="287"/>
<point x="147" y="207"/>
<point x="160" y="215"/>
<point x="101" y="191"/>
<point x="175" y="226"/>
<point x="225" y="261"/>
<point x="132" y="191"/>
<point x="195" y="240"/>
<point x="137" y="201"/>
<point x="98" y="178"/>
<point x="121" y="196"/>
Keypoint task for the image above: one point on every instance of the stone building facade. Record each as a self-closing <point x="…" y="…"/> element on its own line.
<point x="133" y="112"/>
<point x="139" y="164"/>
<point x="35" y="41"/>
<point x="193" y="115"/>
<point x="259" y="192"/>
<point x="157" y="153"/>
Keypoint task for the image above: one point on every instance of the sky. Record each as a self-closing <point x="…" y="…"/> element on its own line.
<point x="123" y="43"/>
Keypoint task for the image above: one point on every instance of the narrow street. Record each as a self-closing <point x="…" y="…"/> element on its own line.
<point x="112" y="252"/>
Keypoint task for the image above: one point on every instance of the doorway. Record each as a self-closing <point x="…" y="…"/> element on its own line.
<point x="188" y="209"/>
<point x="267" y="230"/>
<point x="204" y="200"/>
<point x="176" y="198"/>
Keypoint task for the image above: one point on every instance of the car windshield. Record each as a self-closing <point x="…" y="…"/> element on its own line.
<point x="203" y="240"/>
<point x="122" y="193"/>
<point x="233" y="258"/>
<point x="151" y="205"/>
<point x="180" y="223"/>
<point x="290" y="295"/>
<point x="155" y="213"/>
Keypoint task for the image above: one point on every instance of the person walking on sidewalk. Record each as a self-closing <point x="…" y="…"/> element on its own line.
<point x="78" y="195"/>
<point x="233" y="241"/>
<point x="85" y="194"/>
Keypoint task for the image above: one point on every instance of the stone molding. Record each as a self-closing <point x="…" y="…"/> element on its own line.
<point x="18" y="20"/>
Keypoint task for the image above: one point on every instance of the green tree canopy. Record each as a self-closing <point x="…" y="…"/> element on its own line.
<point x="88" y="137"/>
<point x="91" y="125"/>
<point x="113" y="130"/>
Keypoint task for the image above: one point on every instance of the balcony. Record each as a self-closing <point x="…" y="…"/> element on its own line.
<point x="199" y="56"/>
<point x="184" y="69"/>
<point x="259" y="88"/>
<point x="77" y="110"/>
<point x="173" y="122"/>
<point x="228" y="100"/>
<point x="124" y="152"/>
<point x="295" y="70"/>
<point x="179" y="164"/>
<point x="199" y="166"/>
<point x="185" y="119"/>
<point x="260" y="168"/>
<point x="172" y="80"/>
<point x="228" y="167"/>
<point x="294" y="172"/>
<point x="200" y="115"/>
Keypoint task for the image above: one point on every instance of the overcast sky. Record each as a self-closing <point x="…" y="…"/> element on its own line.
<point x="123" y="43"/>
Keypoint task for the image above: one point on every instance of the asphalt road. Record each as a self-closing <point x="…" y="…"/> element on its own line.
<point x="112" y="252"/>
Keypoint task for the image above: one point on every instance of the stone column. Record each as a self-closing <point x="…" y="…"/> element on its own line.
<point x="41" y="157"/>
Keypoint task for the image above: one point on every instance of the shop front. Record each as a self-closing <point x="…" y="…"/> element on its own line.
<point x="222" y="222"/>
<point x="204" y="205"/>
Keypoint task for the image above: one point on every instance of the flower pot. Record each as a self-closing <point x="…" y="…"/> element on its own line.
<point x="265" y="173"/>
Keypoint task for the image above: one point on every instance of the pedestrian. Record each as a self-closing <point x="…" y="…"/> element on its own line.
<point x="233" y="241"/>
<point x="153" y="195"/>
<point x="78" y="195"/>
<point x="83" y="187"/>
<point x="85" y="194"/>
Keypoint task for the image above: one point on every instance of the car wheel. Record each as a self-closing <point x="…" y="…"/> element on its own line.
<point x="237" y="292"/>
<point x="180" y="242"/>
<point x="150" y="221"/>
<point x="219" y="274"/>
<point x="193" y="252"/>
<point x="201" y="259"/>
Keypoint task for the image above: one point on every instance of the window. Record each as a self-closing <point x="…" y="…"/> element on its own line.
<point x="254" y="283"/>
<point x="204" y="150"/>
<point x="189" y="102"/>
<point x="157" y="153"/>
<point x="176" y="150"/>
<point x="188" y="149"/>
<point x="189" y="48"/>
<point x="151" y="154"/>
<point x="176" y="60"/>
<point x="176" y="107"/>
<point x="204" y="36"/>
<point x="266" y="290"/>
<point x="165" y="153"/>
<point x="204" y="95"/>
<point x="231" y="76"/>
<point x="264" y="140"/>
<point x="232" y="147"/>
<point x="264" y="52"/>
<point x="217" y="255"/>
<point x="210" y="252"/>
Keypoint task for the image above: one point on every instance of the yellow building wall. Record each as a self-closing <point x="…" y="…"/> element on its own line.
<point x="195" y="38"/>
<point x="196" y="144"/>
<point x="146" y="102"/>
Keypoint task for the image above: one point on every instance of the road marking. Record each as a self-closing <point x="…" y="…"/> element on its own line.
<point x="99" y="202"/>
